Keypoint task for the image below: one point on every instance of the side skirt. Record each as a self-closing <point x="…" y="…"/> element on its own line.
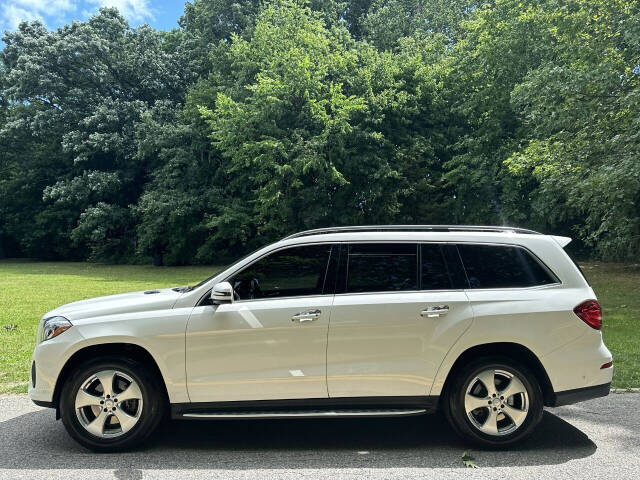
<point x="308" y="408"/>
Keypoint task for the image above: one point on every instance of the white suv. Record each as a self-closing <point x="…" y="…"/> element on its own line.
<point x="487" y="323"/>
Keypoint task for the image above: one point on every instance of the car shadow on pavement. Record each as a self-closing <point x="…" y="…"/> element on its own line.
<point x="36" y="441"/>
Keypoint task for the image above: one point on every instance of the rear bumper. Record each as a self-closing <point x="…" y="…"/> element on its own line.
<point x="567" y="397"/>
<point x="579" y="364"/>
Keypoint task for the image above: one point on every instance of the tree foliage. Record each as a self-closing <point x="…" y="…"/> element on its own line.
<point x="255" y="119"/>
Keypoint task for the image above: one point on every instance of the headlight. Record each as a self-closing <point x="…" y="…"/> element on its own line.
<point x="53" y="327"/>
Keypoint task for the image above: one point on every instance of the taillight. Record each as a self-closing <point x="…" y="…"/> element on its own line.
<point x="590" y="313"/>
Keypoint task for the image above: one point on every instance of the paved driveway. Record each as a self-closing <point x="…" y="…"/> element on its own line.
<point x="599" y="439"/>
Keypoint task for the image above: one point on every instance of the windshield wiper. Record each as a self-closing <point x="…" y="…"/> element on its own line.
<point x="182" y="289"/>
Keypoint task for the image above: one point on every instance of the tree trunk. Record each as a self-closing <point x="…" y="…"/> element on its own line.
<point x="157" y="260"/>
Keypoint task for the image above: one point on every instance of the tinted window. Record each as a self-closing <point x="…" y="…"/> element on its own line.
<point x="433" y="269"/>
<point x="375" y="267"/>
<point x="454" y="266"/>
<point x="285" y="273"/>
<point x="494" y="266"/>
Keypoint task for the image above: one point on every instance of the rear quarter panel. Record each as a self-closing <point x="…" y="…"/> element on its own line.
<point x="538" y="318"/>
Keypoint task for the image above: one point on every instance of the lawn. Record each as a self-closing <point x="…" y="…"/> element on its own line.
<point x="29" y="289"/>
<point x="618" y="289"/>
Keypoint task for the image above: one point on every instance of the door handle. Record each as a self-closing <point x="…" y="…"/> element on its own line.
<point x="307" y="316"/>
<point x="435" y="311"/>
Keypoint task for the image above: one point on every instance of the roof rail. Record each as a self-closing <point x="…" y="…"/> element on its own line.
<point x="411" y="228"/>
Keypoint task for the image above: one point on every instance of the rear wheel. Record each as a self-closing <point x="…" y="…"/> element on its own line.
<point x="494" y="402"/>
<point x="111" y="404"/>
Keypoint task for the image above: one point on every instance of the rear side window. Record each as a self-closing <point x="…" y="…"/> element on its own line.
<point x="379" y="267"/>
<point x="501" y="266"/>
<point x="433" y="270"/>
<point x="454" y="265"/>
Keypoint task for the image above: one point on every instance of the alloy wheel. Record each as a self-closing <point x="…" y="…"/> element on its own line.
<point x="109" y="403"/>
<point x="496" y="402"/>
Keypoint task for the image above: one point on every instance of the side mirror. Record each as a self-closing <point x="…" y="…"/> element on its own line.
<point x="222" y="293"/>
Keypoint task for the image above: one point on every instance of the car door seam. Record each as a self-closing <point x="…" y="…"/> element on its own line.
<point x="454" y="343"/>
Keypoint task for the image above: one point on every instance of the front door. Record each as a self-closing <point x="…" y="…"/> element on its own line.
<point x="394" y="321"/>
<point x="271" y="342"/>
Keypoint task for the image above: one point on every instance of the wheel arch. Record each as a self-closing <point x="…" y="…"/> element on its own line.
<point x="512" y="350"/>
<point x="115" y="349"/>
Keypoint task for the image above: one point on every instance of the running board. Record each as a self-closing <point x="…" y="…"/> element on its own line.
<point x="395" y="412"/>
<point x="307" y="408"/>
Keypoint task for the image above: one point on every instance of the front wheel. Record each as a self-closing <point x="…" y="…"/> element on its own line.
<point x="111" y="404"/>
<point x="494" y="402"/>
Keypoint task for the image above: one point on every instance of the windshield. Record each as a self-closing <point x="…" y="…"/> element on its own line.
<point x="218" y="272"/>
<point x="207" y="279"/>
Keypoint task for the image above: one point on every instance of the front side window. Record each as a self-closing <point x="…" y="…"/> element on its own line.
<point x="290" y="272"/>
<point x="376" y="267"/>
<point x="501" y="266"/>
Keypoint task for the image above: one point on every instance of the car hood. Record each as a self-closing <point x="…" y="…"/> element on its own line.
<point x="116" y="304"/>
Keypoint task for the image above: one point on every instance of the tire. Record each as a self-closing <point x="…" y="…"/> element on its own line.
<point x="517" y="414"/>
<point x="136" y="417"/>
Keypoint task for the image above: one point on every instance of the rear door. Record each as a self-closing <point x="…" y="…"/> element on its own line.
<point x="395" y="315"/>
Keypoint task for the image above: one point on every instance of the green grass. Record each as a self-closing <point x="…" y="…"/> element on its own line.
<point x="29" y="289"/>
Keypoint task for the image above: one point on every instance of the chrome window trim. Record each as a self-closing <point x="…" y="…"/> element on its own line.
<point x="417" y="242"/>
<point x="398" y="292"/>
<point x="249" y="300"/>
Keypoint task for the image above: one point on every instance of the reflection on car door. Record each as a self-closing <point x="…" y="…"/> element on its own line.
<point x="271" y="342"/>
<point x="387" y="335"/>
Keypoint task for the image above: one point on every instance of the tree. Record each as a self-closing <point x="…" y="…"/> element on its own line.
<point x="580" y="126"/>
<point x="314" y="128"/>
<point x="385" y="22"/>
<point x="258" y="118"/>
<point x="76" y="94"/>
<point x="546" y="100"/>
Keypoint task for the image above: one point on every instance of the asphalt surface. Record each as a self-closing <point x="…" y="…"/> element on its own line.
<point x="599" y="439"/>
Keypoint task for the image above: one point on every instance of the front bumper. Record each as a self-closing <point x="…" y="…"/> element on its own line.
<point x="48" y="359"/>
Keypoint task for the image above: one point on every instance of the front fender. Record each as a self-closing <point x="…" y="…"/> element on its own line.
<point x="161" y="334"/>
